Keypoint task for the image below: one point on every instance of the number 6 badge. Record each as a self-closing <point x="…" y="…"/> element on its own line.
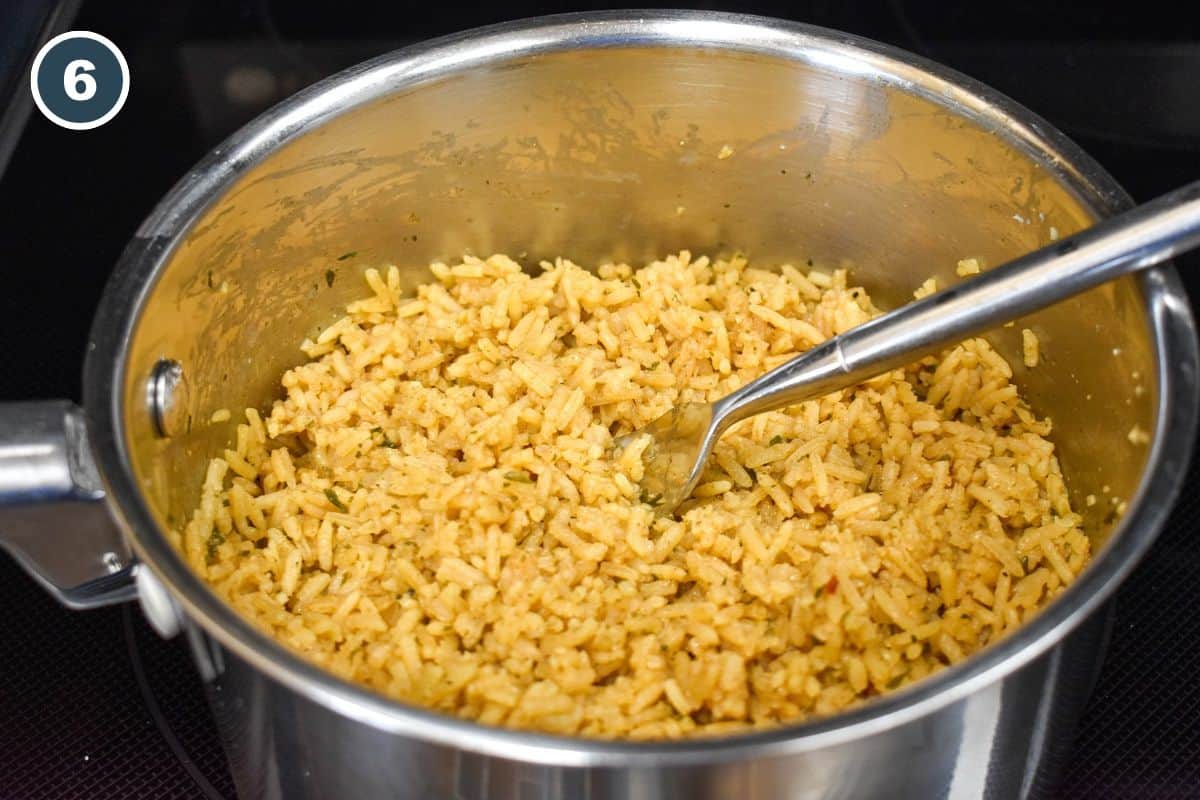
<point x="80" y="80"/>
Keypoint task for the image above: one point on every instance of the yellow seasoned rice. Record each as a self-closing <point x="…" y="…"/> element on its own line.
<point x="1030" y="348"/>
<point x="968" y="266"/>
<point x="434" y="510"/>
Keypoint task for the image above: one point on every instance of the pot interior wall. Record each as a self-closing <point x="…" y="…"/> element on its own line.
<point x="617" y="154"/>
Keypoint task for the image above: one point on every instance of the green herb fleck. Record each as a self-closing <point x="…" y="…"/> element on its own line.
<point x="896" y="681"/>
<point x="518" y="476"/>
<point x="345" y="256"/>
<point x="652" y="500"/>
<point x="654" y="366"/>
<point x="753" y="475"/>
<point x="333" y="498"/>
<point x="211" y="285"/>
<point x="215" y="540"/>
<point x="384" y="440"/>
<point x="820" y="591"/>
<point x="329" y="276"/>
<point x="776" y="439"/>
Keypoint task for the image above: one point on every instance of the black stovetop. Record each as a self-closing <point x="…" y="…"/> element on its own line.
<point x="94" y="705"/>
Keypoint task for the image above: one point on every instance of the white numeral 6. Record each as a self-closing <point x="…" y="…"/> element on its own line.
<point x="76" y="75"/>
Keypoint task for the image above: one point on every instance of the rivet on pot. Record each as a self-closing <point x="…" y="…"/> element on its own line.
<point x="112" y="562"/>
<point x="167" y="398"/>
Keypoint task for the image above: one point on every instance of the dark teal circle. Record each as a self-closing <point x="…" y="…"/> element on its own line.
<point x="107" y="73"/>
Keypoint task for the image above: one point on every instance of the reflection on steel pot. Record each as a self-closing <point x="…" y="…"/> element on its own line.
<point x="597" y="137"/>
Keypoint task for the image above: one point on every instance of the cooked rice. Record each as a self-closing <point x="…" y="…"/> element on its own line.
<point x="434" y="511"/>
<point x="930" y="286"/>
<point x="968" y="266"/>
<point x="1030" y="348"/>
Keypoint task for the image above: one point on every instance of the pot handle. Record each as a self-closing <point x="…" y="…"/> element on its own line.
<point x="53" y="518"/>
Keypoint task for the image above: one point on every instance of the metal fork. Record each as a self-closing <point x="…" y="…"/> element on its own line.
<point x="683" y="438"/>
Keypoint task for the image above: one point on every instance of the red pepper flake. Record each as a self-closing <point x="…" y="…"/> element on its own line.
<point x="831" y="586"/>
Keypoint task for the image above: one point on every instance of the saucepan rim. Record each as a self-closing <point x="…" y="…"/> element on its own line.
<point x="105" y="373"/>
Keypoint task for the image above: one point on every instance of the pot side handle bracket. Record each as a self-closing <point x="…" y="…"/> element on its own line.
<point x="53" y="518"/>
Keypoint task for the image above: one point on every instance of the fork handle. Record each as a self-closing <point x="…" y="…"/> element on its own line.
<point x="1131" y="241"/>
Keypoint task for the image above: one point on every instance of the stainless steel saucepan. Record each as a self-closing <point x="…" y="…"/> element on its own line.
<point x="615" y="136"/>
